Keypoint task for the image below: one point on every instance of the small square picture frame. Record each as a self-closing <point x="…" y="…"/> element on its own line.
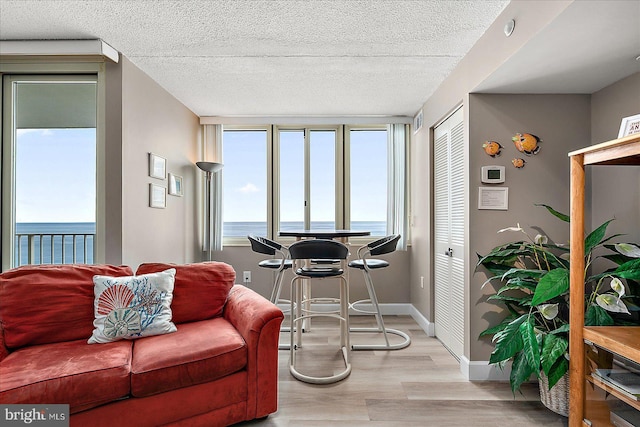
<point x="175" y="185"/>
<point x="157" y="196"/>
<point x="157" y="166"/>
<point x="629" y="126"/>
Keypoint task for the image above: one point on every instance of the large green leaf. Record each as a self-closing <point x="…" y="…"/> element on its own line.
<point x="595" y="237"/>
<point x="530" y="347"/>
<point x="551" y="285"/>
<point x="553" y="347"/>
<point x="498" y="328"/>
<point x="557" y="371"/>
<point x="597" y="316"/>
<point x="520" y="372"/>
<point x="629" y="270"/>
<point x="525" y="300"/>
<point x="564" y="329"/>
<point x="555" y="213"/>
<point x="617" y="258"/>
<point x="523" y="273"/>
<point x="518" y="284"/>
<point x="508" y="342"/>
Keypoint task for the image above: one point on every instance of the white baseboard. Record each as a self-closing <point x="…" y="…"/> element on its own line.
<point x="392" y="309"/>
<point x="477" y="370"/>
<point x="481" y="370"/>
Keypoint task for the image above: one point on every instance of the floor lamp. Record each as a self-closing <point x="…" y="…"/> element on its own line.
<point x="209" y="168"/>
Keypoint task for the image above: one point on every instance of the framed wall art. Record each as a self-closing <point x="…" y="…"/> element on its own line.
<point x="175" y="185"/>
<point x="157" y="166"/>
<point x="629" y="126"/>
<point x="157" y="196"/>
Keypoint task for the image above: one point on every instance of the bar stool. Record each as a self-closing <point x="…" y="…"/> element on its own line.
<point x="381" y="246"/>
<point x="301" y="253"/>
<point x="262" y="245"/>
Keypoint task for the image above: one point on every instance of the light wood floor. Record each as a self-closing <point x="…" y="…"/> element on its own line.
<point x="420" y="385"/>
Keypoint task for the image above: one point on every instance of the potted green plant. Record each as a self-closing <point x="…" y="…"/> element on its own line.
<point x="533" y="277"/>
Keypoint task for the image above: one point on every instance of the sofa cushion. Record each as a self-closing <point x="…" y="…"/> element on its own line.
<point x="198" y="352"/>
<point x="132" y="307"/>
<point x="74" y="372"/>
<point x="42" y="304"/>
<point x="200" y="289"/>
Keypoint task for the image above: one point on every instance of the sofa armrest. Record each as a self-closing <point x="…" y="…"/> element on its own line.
<point x="258" y="321"/>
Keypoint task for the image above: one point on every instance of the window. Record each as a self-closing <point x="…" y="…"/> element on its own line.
<point x="245" y="188"/>
<point x="310" y="177"/>
<point x="368" y="176"/>
<point x="50" y="156"/>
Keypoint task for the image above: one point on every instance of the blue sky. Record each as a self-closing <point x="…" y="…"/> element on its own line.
<point x="245" y="171"/>
<point x="55" y="175"/>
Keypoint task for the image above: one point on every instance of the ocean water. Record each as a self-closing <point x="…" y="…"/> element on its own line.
<point x="54" y="237"/>
<point x="243" y="229"/>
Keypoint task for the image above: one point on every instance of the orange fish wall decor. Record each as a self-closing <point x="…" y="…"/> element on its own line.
<point x="492" y="148"/>
<point x="526" y="143"/>
<point x="518" y="163"/>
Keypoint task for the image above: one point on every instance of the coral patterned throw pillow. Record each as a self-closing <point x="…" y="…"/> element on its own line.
<point x="132" y="307"/>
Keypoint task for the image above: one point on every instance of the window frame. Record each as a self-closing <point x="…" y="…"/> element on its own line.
<point x="24" y="70"/>
<point x="342" y="175"/>
<point x="242" y="240"/>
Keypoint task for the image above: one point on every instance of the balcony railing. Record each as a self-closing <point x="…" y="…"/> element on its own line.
<point x="54" y="248"/>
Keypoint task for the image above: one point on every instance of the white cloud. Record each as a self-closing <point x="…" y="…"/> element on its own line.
<point x="249" y="188"/>
<point x="43" y="132"/>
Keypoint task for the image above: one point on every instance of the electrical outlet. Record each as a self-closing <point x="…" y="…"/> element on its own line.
<point x="246" y="276"/>
<point x="422" y="282"/>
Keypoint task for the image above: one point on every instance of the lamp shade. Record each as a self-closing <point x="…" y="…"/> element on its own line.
<point x="212" y="167"/>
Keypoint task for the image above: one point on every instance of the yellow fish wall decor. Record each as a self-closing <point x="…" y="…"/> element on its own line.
<point x="526" y="143"/>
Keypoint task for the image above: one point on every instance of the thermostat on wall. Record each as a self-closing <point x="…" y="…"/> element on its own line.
<point x="493" y="174"/>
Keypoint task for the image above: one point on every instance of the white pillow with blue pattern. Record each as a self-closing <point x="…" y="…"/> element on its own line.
<point x="132" y="307"/>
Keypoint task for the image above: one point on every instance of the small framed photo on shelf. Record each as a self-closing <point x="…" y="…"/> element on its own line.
<point x="629" y="126"/>
<point x="157" y="196"/>
<point x="175" y="185"/>
<point x="157" y="166"/>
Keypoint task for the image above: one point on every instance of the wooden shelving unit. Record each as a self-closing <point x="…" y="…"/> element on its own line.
<point x="623" y="341"/>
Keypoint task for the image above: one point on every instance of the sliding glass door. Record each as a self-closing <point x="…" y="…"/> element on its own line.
<point x="49" y="170"/>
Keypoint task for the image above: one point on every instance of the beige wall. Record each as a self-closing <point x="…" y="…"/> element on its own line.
<point x="608" y="107"/>
<point x="391" y="283"/>
<point x="154" y="121"/>
<point x="486" y="56"/>
<point x="561" y="121"/>
<point x="111" y="205"/>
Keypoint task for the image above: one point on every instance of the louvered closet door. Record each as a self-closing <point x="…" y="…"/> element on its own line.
<point x="449" y="232"/>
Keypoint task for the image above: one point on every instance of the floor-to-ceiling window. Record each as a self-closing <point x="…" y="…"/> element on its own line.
<point x="49" y="169"/>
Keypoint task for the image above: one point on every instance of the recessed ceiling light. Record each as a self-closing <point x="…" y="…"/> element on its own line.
<point x="509" y="26"/>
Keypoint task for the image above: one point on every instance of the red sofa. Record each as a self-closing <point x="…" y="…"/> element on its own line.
<point x="219" y="368"/>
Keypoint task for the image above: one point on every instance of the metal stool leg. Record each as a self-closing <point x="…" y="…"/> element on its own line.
<point x="296" y="329"/>
<point x="373" y="299"/>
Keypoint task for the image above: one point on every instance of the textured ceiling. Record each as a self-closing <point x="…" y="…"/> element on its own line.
<point x="265" y="58"/>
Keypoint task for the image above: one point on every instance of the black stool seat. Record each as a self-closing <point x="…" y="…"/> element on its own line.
<point x="319" y="272"/>
<point x="275" y="263"/>
<point x="371" y="263"/>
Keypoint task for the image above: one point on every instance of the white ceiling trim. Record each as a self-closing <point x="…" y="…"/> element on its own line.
<point x="58" y="48"/>
<point x="305" y="120"/>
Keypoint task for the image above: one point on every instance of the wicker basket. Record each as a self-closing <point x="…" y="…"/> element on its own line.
<point x="556" y="399"/>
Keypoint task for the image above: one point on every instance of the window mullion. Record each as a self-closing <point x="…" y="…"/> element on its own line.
<point x="307" y="178"/>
